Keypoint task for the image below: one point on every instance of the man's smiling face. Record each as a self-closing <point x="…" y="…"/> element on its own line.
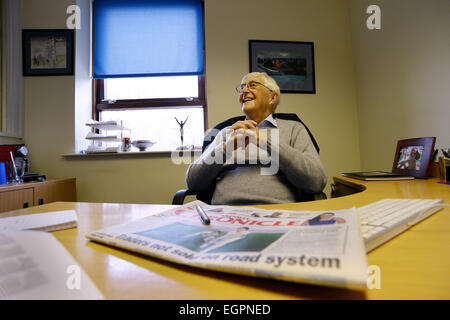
<point x="255" y="98"/>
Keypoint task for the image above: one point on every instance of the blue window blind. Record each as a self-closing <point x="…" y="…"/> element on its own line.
<point x="141" y="38"/>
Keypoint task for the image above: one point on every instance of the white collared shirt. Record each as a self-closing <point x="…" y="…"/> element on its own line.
<point x="270" y="121"/>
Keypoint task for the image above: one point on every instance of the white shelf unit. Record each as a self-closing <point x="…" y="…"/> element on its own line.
<point x="105" y="142"/>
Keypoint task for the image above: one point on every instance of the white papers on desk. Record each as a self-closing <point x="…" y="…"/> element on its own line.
<point x="50" y="221"/>
<point x="35" y="266"/>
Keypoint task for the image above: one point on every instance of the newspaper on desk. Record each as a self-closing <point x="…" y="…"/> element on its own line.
<point x="315" y="247"/>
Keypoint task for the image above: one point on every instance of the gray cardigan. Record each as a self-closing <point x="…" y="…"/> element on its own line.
<point x="299" y="166"/>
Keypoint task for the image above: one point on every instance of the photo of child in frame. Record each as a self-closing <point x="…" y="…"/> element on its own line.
<point x="410" y="158"/>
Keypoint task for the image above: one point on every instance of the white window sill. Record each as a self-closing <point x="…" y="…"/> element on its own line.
<point x="129" y="154"/>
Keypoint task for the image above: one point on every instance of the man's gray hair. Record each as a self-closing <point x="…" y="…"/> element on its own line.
<point x="269" y="82"/>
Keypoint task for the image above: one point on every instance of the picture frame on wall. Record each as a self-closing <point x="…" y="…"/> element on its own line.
<point x="414" y="157"/>
<point x="290" y="63"/>
<point x="48" y="52"/>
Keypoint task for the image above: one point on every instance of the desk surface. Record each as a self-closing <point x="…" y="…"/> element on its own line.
<point x="414" y="265"/>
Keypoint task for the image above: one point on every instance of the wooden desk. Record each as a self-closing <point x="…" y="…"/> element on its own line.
<point x="22" y="195"/>
<point x="414" y="265"/>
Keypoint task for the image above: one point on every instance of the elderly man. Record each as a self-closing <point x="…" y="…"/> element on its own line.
<point x="298" y="167"/>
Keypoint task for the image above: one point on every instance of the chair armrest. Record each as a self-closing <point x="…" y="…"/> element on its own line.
<point x="313" y="196"/>
<point x="179" y="196"/>
<point x="319" y="196"/>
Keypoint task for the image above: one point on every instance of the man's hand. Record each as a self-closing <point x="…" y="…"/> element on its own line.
<point x="242" y="133"/>
<point x="246" y="124"/>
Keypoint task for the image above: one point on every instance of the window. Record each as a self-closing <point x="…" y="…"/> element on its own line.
<point x="149" y="69"/>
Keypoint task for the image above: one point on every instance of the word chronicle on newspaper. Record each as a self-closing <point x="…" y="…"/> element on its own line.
<point x="314" y="247"/>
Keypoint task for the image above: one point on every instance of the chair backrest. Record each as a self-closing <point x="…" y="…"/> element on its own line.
<point x="206" y="195"/>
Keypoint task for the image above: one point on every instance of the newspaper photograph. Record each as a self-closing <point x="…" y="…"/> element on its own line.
<point x="314" y="247"/>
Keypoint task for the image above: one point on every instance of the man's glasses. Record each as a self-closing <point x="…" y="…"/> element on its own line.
<point x="251" y="86"/>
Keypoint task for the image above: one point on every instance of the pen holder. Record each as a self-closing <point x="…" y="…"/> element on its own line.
<point x="444" y="167"/>
<point x="11" y="170"/>
<point x="435" y="171"/>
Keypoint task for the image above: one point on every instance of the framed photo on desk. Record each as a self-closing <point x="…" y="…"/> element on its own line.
<point x="413" y="157"/>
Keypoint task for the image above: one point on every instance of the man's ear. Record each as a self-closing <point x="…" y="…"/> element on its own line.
<point x="274" y="97"/>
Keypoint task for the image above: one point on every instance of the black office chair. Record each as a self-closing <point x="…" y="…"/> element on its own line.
<point x="206" y="195"/>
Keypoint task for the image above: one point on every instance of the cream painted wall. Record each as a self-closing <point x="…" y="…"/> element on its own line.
<point x="330" y="113"/>
<point x="403" y="76"/>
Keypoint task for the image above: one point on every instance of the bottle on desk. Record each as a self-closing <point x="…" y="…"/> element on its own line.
<point x="126" y="144"/>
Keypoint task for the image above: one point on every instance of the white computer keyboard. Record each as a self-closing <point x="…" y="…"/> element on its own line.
<point x="382" y="220"/>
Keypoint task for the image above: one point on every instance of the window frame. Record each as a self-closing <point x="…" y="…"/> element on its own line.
<point x="100" y="104"/>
